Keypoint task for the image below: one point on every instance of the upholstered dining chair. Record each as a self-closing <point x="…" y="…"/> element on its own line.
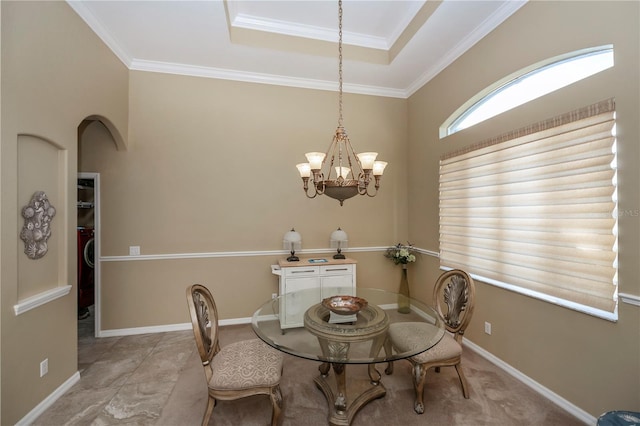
<point x="237" y="370"/>
<point x="453" y="299"/>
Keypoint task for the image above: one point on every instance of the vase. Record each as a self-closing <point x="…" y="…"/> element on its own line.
<point x="404" y="307"/>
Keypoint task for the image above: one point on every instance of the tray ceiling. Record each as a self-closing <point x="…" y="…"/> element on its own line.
<point x="390" y="48"/>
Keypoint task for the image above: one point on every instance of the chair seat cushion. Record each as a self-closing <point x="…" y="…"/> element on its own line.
<point x="246" y="364"/>
<point x="406" y="336"/>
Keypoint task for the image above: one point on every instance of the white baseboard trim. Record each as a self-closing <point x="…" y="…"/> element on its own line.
<point x="165" y="328"/>
<point x="235" y="321"/>
<point x="49" y="400"/>
<point x="582" y="415"/>
<point x="144" y="330"/>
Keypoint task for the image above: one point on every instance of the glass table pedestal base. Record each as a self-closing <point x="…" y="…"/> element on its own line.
<point x="336" y="342"/>
<point x="342" y="406"/>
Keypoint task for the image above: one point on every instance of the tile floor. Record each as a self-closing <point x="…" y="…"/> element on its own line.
<point x="124" y="380"/>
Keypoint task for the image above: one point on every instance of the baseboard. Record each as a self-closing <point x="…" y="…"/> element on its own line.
<point x="49" y="400"/>
<point x="165" y="328"/>
<point x="547" y="393"/>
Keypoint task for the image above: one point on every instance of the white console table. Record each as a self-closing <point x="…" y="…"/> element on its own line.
<point x="335" y="276"/>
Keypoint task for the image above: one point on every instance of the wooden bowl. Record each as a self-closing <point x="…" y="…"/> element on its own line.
<point x="344" y="305"/>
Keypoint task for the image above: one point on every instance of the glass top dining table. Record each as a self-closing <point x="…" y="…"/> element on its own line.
<point x="299" y="324"/>
<point x="362" y="332"/>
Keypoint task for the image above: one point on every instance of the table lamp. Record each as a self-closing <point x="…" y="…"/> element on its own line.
<point x="292" y="241"/>
<point x="339" y="240"/>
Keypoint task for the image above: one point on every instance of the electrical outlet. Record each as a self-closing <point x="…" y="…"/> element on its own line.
<point x="487" y="327"/>
<point x="44" y="367"/>
<point x="134" y="250"/>
<point x="274" y="295"/>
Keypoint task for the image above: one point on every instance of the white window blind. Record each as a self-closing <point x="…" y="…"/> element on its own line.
<point x="535" y="210"/>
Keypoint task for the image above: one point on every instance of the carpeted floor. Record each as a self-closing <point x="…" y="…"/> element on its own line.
<point x="496" y="397"/>
<point x="157" y="379"/>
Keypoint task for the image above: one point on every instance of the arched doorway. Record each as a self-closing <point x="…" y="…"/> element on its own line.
<point x="95" y="133"/>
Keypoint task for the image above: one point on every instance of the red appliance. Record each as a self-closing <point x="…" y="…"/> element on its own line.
<point x="86" y="261"/>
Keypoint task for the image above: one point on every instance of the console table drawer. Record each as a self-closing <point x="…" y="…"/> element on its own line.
<point x="307" y="271"/>
<point x="336" y="270"/>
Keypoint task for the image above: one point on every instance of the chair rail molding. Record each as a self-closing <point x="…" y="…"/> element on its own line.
<point x="40" y="299"/>
<point x="173" y="256"/>
<point x="631" y="299"/>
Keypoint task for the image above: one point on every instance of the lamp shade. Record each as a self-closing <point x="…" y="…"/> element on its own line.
<point x="367" y="159"/>
<point x="339" y="239"/>
<point x="343" y="172"/>
<point x="378" y="168"/>
<point x="304" y="169"/>
<point x="292" y="240"/>
<point x="315" y="159"/>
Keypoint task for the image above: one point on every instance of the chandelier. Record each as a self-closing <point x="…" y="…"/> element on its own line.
<point x="340" y="173"/>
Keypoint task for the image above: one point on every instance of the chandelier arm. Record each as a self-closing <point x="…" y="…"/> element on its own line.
<point x="367" y="186"/>
<point x="315" y="194"/>
<point x="364" y="190"/>
<point x="305" y="188"/>
<point x="363" y="184"/>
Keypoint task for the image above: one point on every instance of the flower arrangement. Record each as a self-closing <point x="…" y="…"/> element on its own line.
<point x="401" y="253"/>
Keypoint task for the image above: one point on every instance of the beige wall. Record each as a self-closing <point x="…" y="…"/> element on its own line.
<point x="593" y="363"/>
<point x="55" y="73"/>
<point x="210" y="169"/>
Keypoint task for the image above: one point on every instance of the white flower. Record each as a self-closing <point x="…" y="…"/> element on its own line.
<point x="401" y="254"/>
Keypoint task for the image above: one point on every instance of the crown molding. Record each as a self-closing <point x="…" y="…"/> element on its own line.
<point x="258" y="23"/>
<point x="308" y="31"/>
<point x="251" y="77"/>
<point x="98" y="28"/>
<point x="218" y="73"/>
<point x="489" y="24"/>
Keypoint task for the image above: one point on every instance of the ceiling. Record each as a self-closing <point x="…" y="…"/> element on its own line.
<point x="390" y="48"/>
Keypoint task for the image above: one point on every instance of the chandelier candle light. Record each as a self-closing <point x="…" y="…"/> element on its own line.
<point x="332" y="173"/>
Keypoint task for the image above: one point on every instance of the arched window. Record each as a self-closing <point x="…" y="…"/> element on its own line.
<point x="528" y="84"/>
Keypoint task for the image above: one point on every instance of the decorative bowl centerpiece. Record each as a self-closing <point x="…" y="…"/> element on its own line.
<point x="344" y="305"/>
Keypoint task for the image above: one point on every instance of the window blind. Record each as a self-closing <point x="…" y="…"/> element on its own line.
<point x="535" y="210"/>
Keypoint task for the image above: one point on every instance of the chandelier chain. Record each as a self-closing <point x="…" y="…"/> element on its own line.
<point x="340" y="62"/>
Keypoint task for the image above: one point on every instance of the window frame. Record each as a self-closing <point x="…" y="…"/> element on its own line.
<point x="512" y="81"/>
